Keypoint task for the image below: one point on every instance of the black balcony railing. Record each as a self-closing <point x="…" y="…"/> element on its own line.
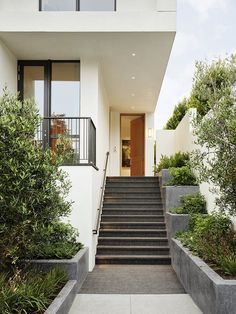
<point x="73" y="137"/>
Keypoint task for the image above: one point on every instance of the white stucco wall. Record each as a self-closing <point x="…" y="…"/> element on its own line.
<point x="170" y="142"/>
<point x="8" y="69"/>
<point x="86" y="181"/>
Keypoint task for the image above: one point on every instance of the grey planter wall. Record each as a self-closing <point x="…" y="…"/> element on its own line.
<point x="164" y="177"/>
<point x="62" y="303"/>
<point x="76" y="268"/>
<point x="176" y="223"/>
<point x="172" y="194"/>
<point x="210" y="292"/>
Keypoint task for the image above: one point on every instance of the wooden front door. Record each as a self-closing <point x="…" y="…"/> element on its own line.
<point x="137" y="147"/>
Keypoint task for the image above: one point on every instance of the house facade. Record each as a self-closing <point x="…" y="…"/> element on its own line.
<point x="95" y="69"/>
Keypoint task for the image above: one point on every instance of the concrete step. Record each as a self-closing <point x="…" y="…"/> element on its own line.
<point x="133" y="259"/>
<point x="132" y="233"/>
<point x="133" y="218"/>
<point x="133" y="196"/>
<point x="132" y="225"/>
<point x="133" y="184"/>
<point x="132" y="211"/>
<point x="133" y="241"/>
<point x="132" y="179"/>
<point x="136" y="205"/>
<point x="129" y="200"/>
<point x="128" y="189"/>
<point x="134" y="250"/>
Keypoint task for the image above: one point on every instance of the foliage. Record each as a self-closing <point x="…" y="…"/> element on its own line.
<point x="182" y="176"/>
<point x="216" y="163"/>
<point x="57" y="240"/>
<point x="211" y="82"/>
<point x="29" y="291"/>
<point x="191" y="204"/>
<point x="32" y="187"/>
<point x="178" y="114"/>
<point x="178" y="160"/>
<point x="212" y="237"/>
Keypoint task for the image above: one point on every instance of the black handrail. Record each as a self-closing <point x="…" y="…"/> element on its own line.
<point x="95" y="231"/>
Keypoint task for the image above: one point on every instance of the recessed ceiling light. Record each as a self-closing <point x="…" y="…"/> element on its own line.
<point x="132" y="107"/>
<point x="132" y="94"/>
<point x="133" y="54"/>
<point x="133" y="77"/>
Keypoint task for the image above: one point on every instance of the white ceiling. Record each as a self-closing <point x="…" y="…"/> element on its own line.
<point x="114" y="52"/>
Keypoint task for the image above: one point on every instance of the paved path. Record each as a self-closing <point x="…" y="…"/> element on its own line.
<point x="132" y="279"/>
<point x="133" y="289"/>
<point x="134" y="304"/>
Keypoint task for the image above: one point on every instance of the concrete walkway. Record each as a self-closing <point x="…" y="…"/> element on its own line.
<point x="132" y="279"/>
<point x="134" y="304"/>
<point x="133" y="289"/>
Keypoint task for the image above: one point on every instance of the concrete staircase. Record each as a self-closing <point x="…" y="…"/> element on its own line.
<point x="132" y="229"/>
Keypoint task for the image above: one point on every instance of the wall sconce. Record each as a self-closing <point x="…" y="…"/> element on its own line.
<point x="150" y="133"/>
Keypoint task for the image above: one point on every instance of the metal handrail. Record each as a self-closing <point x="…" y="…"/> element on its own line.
<point x="95" y="231"/>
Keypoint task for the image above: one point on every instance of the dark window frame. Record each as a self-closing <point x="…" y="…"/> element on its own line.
<point x="47" y="64"/>
<point x="77" y="6"/>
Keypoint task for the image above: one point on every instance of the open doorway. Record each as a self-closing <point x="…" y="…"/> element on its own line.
<point x="132" y="144"/>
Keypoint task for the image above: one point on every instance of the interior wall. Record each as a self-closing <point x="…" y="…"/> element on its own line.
<point x="149" y="144"/>
<point x="8" y="69"/>
<point x="16" y="5"/>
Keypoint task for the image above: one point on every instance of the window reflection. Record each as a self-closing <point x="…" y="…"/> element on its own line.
<point x="65" y="89"/>
<point x="58" y="5"/>
<point x="97" y="5"/>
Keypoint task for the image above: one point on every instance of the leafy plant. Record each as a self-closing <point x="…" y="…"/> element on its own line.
<point x="211" y="82"/>
<point x="29" y="291"/>
<point x="216" y="164"/>
<point x="178" y="114"/>
<point x="212" y="237"/>
<point x="178" y="160"/>
<point x="182" y="176"/>
<point x="33" y="189"/>
<point x="191" y="204"/>
<point x="57" y="240"/>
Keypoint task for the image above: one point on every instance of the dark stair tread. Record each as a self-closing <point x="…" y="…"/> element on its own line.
<point x="133" y="223"/>
<point x="135" y="238"/>
<point x="133" y="216"/>
<point x="155" y="247"/>
<point x="133" y="256"/>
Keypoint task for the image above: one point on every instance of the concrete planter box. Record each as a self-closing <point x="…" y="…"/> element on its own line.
<point x="62" y="303"/>
<point x="176" y="223"/>
<point x="172" y="194"/>
<point x="212" y="294"/>
<point x="76" y="268"/>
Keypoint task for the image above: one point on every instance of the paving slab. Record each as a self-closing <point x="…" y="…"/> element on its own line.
<point x="132" y="279"/>
<point x="134" y="304"/>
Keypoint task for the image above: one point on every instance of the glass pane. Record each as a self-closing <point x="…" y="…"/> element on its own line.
<point x="58" y="5"/>
<point x="65" y="94"/>
<point x="34" y="85"/>
<point x="97" y="5"/>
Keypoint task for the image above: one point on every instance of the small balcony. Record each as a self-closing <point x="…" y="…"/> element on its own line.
<point x="73" y="137"/>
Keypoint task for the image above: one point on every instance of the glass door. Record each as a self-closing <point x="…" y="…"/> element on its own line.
<point x="55" y="87"/>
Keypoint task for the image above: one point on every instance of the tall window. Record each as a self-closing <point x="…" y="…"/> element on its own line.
<point x="77" y="5"/>
<point x="55" y="86"/>
<point x="58" y="5"/>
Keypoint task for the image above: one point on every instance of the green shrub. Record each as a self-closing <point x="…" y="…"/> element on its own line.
<point x="57" y="240"/>
<point x="33" y="189"/>
<point x="191" y="204"/>
<point x="29" y="291"/>
<point x="182" y="176"/>
<point x="211" y="83"/>
<point x="178" y="114"/>
<point x="212" y="237"/>
<point x="176" y="161"/>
